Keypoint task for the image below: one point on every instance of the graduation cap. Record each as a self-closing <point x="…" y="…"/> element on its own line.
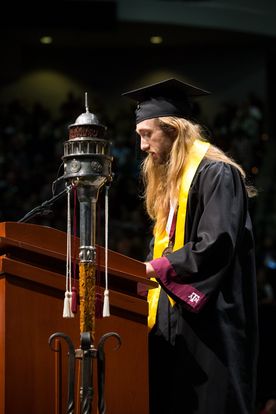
<point x="170" y="97"/>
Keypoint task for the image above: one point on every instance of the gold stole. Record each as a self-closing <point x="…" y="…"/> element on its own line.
<point x="196" y="154"/>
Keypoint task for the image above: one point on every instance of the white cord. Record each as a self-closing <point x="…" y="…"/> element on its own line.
<point x="67" y="305"/>
<point x="106" y="306"/>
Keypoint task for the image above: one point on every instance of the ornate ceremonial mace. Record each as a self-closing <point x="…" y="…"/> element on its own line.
<point x="87" y="165"/>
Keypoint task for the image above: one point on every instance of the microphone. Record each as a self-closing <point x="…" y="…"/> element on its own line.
<point x="44" y="208"/>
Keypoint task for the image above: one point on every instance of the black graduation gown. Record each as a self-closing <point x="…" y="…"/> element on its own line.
<point x="203" y="360"/>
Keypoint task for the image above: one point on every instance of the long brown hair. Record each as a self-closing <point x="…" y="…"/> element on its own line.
<point x="162" y="182"/>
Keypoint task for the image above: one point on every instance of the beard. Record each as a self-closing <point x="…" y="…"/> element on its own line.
<point x="160" y="159"/>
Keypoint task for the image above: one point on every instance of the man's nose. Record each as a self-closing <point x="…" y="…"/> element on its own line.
<point x="144" y="144"/>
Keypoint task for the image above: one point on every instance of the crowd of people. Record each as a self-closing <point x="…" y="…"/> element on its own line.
<point x="31" y="150"/>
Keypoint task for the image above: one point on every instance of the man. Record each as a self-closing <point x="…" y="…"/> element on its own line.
<point x="203" y="317"/>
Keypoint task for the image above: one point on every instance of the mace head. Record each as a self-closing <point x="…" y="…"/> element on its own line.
<point x="87" y="125"/>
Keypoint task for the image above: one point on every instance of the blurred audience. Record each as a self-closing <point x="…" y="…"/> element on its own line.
<point x="31" y="153"/>
<point x="264" y="287"/>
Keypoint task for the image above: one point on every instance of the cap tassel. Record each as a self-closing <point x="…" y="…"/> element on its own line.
<point x="67" y="304"/>
<point x="106" y="307"/>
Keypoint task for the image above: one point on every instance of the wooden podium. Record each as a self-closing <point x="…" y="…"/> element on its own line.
<point x="32" y="285"/>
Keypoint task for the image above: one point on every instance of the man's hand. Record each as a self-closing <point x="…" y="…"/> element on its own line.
<point x="149" y="270"/>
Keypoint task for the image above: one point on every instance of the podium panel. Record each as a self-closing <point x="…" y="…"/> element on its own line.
<point x="32" y="284"/>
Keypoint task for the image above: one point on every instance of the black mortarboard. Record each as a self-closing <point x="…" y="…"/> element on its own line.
<point x="170" y="97"/>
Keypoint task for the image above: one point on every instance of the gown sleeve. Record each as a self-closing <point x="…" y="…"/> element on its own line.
<point x="214" y="220"/>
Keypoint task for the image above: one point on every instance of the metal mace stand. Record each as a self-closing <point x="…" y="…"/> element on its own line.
<point x="87" y="165"/>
